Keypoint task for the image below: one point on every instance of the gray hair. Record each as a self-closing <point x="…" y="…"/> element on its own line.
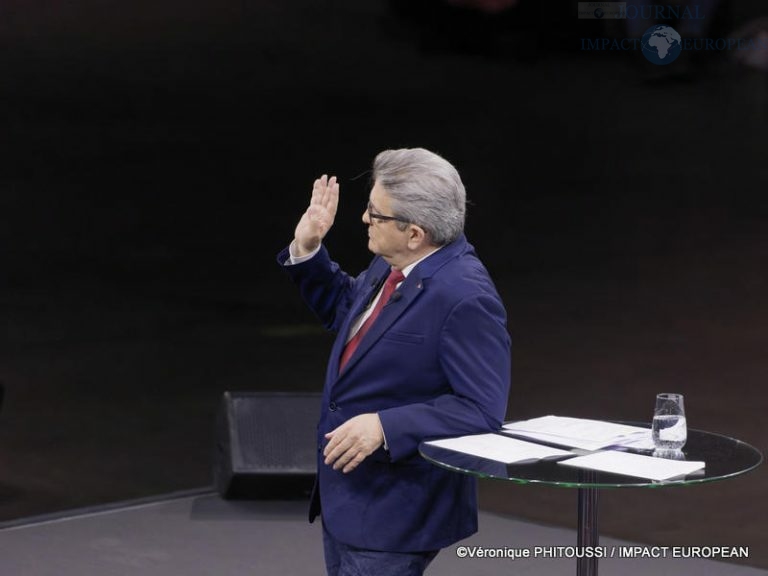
<point x="424" y="189"/>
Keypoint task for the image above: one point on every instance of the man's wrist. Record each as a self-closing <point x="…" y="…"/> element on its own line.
<point x="296" y="257"/>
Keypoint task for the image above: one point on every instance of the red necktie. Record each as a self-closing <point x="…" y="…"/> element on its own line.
<point x="395" y="277"/>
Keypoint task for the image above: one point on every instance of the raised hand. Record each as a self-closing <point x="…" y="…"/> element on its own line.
<point x="319" y="216"/>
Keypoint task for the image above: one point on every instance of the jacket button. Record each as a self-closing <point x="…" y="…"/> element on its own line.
<point x="332" y="406"/>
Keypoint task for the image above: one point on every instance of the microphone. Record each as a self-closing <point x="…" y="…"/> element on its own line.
<point x="395" y="297"/>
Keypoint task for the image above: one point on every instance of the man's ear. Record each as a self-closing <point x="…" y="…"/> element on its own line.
<point x="417" y="237"/>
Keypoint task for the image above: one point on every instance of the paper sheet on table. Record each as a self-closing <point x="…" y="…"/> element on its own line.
<point x="639" y="442"/>
<point x="575" y="432"/>
<point x="499" y="448"/>
<point x="636" y="465"/>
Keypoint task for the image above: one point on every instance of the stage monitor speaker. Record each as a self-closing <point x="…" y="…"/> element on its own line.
<point x="266" y="445"/>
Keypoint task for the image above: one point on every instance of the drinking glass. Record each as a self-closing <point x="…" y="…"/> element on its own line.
<point x="669" y="429"/>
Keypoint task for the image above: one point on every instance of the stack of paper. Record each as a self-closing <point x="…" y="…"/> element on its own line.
<point x="577" y="432"/>
<point x="500" y="448"/>
<point x="580" y="433"/>
<point x="634" y="465"/>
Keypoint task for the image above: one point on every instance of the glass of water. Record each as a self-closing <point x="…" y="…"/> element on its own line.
<point x="669" y="429"/>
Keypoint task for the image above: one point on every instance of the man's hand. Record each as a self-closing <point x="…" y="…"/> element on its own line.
<point x="353" y="441"/>
<point x="319" y="216"/>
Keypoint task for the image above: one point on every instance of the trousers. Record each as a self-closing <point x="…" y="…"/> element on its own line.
<point x="344" y="560"/>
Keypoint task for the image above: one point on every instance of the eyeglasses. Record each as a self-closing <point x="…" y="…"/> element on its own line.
<point x="376" y="216"/>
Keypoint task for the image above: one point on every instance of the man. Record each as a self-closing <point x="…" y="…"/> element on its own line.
<point x="432" y="362"/>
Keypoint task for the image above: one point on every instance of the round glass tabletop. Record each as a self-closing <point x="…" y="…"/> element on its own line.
<point x="724" y="457"/>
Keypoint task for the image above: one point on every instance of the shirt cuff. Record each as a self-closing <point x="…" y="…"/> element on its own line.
<point x="383" y="434"/>
<point x="299" y="259"/>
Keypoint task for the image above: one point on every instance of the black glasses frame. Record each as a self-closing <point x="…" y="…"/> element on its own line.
<point x="376" y="216"/>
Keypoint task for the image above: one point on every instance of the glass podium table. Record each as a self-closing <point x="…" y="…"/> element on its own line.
<point x="724" y="457"/>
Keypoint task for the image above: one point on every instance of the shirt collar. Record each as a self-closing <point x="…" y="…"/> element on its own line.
<point x="408" y="269"/>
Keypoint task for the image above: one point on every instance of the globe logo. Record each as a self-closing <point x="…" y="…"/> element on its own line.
<point x="599" y="13"/>
<point x="661" y="44"/>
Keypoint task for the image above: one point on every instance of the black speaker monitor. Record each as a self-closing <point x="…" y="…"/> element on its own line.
<point x="266" y="446"/>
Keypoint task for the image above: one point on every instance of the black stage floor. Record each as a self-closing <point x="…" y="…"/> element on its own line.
<point x="200" y="534"/>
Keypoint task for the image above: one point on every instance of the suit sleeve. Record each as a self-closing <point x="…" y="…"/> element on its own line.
<point x="475" y="355"/>
<point x="326" y="289"/>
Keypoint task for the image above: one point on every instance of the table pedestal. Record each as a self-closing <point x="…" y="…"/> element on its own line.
<point x="588" y="535"/>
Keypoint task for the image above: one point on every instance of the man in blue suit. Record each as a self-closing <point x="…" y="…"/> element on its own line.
<point x="431" y="360"/>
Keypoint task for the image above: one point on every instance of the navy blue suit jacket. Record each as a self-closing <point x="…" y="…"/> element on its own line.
<point x="435" y="363"/>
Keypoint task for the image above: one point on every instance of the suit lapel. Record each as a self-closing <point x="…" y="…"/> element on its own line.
<point x="378" y="273"/>
<point x="408" y="292"/>
<point x="411" y="288"/>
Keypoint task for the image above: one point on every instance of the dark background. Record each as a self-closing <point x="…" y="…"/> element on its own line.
<point x="158" y="154"/>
